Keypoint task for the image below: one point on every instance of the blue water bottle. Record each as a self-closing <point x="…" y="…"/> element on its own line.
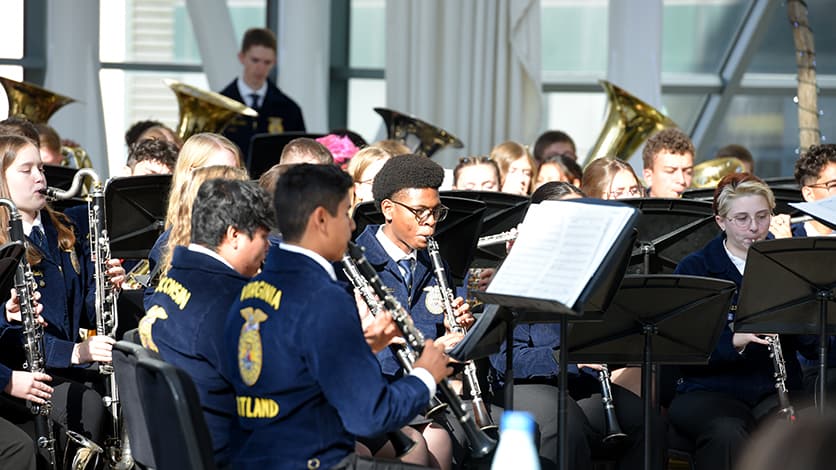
<point x="516" y="449"/>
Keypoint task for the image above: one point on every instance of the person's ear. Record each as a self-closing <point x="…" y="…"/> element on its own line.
<point x="807" y="193"/>
<point x="387" y="208"/>
<point x="648" y="174"/>
<point x="241" y="58"/>
<point x="231" y="236"/>
<point x="721" y="222"/>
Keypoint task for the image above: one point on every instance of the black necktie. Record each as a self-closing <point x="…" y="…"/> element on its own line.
<point x="38" y="238"/>
<point x="254" y="100"/>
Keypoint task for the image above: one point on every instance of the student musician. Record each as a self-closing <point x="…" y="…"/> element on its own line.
<point x="668" y="159"/>
<point x="406" y="189"/>
<point x="64" y="278"/>
<point x="718" y="405"/>
<point x="305" y="379"/>
<point x="536" y="375"/>
<point x="230" y="223"/>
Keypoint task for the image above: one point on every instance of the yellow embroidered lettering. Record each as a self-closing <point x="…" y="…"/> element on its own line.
<point x="262" y="291"/>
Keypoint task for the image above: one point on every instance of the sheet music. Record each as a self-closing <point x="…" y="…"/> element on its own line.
<point x="824" y="209"/>
<point x="559" y="248"/>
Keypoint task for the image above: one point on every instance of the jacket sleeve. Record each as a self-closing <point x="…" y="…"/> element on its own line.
<point x="349" y="373"/>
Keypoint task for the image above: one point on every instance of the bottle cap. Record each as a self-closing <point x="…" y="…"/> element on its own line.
<point x="517" y="420"/>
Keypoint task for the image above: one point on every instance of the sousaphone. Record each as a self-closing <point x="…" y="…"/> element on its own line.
<point x="205" y="111"/>
<point x="31" y="101"/>
<point x="400" y="126"/>
<point x="630" y="121"/>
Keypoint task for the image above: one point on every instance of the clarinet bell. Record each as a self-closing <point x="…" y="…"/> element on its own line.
<point x="615" y="439"/>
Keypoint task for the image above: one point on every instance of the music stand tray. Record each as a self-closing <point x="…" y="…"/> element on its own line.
<point x="504" y="212"/>
<point x="266" y="150"/>
<point x="456" y="235"/>
<point x="788" y="287"/>
<point x="655" y="319"/>
<point x="135" y="208"/>
<point x="669" y="230"/>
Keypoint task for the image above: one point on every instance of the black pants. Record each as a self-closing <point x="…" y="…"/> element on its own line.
<point x="718" y="423"/>
<point x="17" y="449"/>
<point x="75" y="406"/>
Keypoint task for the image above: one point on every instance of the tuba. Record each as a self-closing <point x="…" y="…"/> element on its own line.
<point x="430" y="138"/>
<point x="204" y="111"/>
<point x="708" y="173"/>
<point x="31" y="101"/>
<point x="630" y="121"/>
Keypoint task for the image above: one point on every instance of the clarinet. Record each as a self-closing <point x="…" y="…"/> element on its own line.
<point x="614" y="433"/>
<point x="118" y="450"/>
<point x="480" y="444"/>
<point x="480" y="411"/>
<point x="33" y="335"/>
<point x="786" y="409"/>
<point x="405" y="355"/>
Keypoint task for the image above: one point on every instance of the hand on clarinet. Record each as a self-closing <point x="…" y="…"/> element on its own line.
<point x="115" y="272"/>
<point x="780" y="226"/>
<point x="741" y="340"/>
<point x="93" y="349"/>
<point x="13" y="308"/>
<point x="461" y="310"/>
<point x="29" y="386"/>
<point x="434" y="360"/>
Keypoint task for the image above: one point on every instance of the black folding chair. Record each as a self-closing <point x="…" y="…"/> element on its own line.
<point x="180" y="440"/>
<point x="125" y="357"/>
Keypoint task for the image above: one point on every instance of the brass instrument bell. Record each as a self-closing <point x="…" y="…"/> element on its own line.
<point x="430" y="138"/>
<point x="630" y="121"/>
<point x="204" y="111"/>
<point x="31" y="101"/>
<point x="708" y="173"/>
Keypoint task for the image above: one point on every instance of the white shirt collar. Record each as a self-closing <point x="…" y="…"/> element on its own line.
<point x="246" y="91"/>
<point x="206" y="251"/>
<point x="27" y="227"/>
<point x="328" y="267"/>
<point x="738" y="262"/>
<point x="394" y="251"/>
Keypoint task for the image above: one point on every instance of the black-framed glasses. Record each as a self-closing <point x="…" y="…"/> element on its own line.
<point x="830" y="186"/>
<point x="422" y="214"/>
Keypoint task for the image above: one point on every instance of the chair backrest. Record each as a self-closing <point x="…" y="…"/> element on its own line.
<point x="125" y="357"/>
<point x="180" y="439"/>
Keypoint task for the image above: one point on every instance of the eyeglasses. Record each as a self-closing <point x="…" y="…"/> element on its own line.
<point x="474" y="160"/>
<point x="745" y="220"/>
<point x="632" y="191"/>
<point x="830" y="186"/>
<point x="438" y="212"/>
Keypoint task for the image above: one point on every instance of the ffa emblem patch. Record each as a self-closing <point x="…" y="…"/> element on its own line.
<point x="249" y="345"/>
<point x="147" y="323"/>
<point x="275" y="125"/>
<point x="433" y="300"/>
<point x="74" y="261"/>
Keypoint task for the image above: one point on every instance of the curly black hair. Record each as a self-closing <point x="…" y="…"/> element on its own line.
<point x="406" y="171"/>
<point x="812" y="162"/>
<point x="673" y="140"/>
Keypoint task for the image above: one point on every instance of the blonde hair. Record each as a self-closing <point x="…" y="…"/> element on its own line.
<point x="508" y="152"/>
<point x="363" y="159"/>
<point x="393" y="146"/>
<point x="737" y="185"/>
<point x="181" y="229"/>
<point x="195" y="153"/>
<point x="599" y="174"/>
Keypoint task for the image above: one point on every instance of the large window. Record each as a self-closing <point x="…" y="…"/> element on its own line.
<point x="148" y="41"/>
<point x="11" y="47"/>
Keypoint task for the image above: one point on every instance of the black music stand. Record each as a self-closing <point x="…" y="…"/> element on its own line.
<point x="135" y="207"/>
<point x="802" y="268"/>
<point x="598" y="293"/>
<point x="266" y="150"/>
<point x="655" y="319"/>
<point x="456" y="235"/>
<point x="504" y="212"/>
<point x="669" y="230"/>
